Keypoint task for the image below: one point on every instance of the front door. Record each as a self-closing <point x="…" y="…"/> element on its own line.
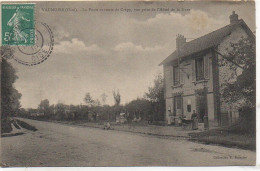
<point x="201" y="107"/>
<point x="178" y="105"/>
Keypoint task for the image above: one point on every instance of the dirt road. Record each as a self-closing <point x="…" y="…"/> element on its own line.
<point x="63" y="145"/>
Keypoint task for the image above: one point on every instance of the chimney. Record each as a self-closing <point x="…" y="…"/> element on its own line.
<point x="233" y="18"/>
<point x="180" y="40"/>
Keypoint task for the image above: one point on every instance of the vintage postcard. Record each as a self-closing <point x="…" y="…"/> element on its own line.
<point x="137" y="83"/>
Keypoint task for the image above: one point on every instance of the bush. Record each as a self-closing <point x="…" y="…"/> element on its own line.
<point x="246" y="123"/>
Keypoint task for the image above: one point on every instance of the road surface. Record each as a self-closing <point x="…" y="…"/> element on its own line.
<point x="64" y="145"/>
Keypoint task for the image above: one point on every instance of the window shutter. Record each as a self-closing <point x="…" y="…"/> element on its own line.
<point x="182" y="113"/>
<point x="206" y="67"/>
<point x="174" y="106"/>
<point x="193" y="70"/>
<point x="182" y="74"/>
<point x="172" y="75"/>
<point x="177" y="79"/>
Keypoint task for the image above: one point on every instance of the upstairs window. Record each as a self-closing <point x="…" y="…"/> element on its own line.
<point x="199" y="63"/>
<point x="176" y="76"/>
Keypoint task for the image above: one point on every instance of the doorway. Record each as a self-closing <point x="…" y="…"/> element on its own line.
<point x="201" y="105"/>
<point x="178" y="105"/>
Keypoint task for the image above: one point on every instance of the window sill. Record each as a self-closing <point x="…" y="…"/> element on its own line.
<point x="200" y="81"/>
<point x="176" y="86"/>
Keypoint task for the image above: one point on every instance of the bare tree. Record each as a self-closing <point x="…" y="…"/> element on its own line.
<point x="117" y="97"/>
<point x="90" y="101"/>
<point x="104" y="98"/>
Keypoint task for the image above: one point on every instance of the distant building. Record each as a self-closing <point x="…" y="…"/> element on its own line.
<point x="35" y="112"/>
<point x="193" y="77"/>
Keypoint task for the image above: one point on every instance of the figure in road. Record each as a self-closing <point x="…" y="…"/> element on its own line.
<point x="194" y="118"/>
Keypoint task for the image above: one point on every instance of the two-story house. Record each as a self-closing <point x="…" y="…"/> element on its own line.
<point x="193" y="77"/>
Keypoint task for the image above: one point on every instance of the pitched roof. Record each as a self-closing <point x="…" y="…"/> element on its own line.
<point x="205" y="42"/>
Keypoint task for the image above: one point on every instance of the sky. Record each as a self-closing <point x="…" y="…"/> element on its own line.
<point x="97" y="52"/>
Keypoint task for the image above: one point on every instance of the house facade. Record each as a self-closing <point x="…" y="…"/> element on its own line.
<point x="194" y="77"/>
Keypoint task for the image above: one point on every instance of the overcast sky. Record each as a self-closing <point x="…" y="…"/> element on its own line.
<point x="97" y="52"/>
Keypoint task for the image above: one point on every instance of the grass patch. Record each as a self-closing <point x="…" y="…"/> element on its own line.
<point x="226" y="137"/>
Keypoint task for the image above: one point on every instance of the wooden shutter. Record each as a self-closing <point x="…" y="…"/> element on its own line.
<point x="206" y="67"/>
<point x="174" y="106"/>
<point x="173" y="75"/>
<point x="177" y="75"/>
<point x="182" y="113"/>
<point x="182" y="74"/>
<point x="193" y="70"/>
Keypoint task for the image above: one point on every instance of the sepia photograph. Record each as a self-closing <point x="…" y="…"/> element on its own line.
<point x="134" y="83"/>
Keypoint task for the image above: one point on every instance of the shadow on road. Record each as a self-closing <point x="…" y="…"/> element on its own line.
<point x="25" y="125"/>
<point x="11" y="135"/>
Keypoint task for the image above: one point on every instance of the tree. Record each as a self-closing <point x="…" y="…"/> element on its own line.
<point x="240" y="88"/>
<point x="7" y="52"/>
<point x="10" y="97"/>
<point x="243" y="88"/>
<point x="44" y="107"/>
<point x="52" y="111"/>
<point x="139" y="107"/>
<point x="23" y="113"/>
<point x="93" y="105"/>
<point x="97" y="102"/>
<point x="104" y="98"/>
<point x="155" y="95"/>
<point x="117" y="97"/>
<point x="60" y="109"/>
<point x="90" y="101"/>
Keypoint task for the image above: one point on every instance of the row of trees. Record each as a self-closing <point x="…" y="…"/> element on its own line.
<point x="150" y="106"/>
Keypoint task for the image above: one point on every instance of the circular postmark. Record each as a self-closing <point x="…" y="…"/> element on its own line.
<point x="31" y="50"/>
<point x="34" y="54"/>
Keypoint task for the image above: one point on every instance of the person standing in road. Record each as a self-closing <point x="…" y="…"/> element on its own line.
<point x="194" y="118"/>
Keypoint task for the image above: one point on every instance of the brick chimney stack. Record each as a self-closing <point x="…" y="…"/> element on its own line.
<point x="180" y="40"/>
<point x="233" y="18"/>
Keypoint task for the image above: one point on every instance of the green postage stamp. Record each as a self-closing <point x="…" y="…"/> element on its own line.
<point x="18" y="24"/>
